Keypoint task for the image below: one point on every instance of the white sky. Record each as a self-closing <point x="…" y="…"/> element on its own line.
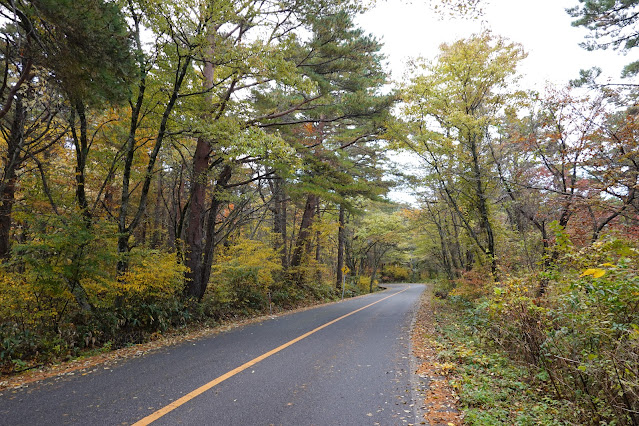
<point x="411" y="28"/>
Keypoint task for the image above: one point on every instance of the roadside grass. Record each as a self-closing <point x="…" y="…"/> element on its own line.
<point x="492" y="389"/>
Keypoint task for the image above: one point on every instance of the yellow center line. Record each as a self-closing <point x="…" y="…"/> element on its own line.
<point x="189" y="396"/>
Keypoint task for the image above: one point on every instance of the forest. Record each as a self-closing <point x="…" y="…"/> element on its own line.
<point x="181" y="162"/>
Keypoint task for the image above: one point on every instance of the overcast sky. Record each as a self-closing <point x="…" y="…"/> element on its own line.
<point x="410" y="28"/>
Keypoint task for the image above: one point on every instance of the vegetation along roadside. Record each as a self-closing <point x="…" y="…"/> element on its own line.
<point x="180" y="164"/>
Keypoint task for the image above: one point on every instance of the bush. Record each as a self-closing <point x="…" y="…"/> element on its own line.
<point x="584" y="335"/>
<point x="396" y="273"/>
<point x="242" y="277"/>
<point x="473" y="284"/>
<point x="42" y="319"/>
<point x="363" y="284"/>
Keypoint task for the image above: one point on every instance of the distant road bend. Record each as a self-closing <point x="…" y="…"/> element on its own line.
<point x="345" y="363"/>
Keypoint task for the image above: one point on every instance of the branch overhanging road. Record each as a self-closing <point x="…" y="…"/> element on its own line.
<point x="345" y="363"/>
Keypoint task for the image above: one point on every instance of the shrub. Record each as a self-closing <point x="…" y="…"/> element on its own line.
<point x="242" y="276"/>
<point x="396" y="273"/>
<point x="363" y="284"/>
<point x="583" y="335"/>
<point x="40" y="317"/>
<point x="473" y="284"/>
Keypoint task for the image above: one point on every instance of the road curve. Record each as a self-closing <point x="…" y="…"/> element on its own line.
<point x="345" y="363"/>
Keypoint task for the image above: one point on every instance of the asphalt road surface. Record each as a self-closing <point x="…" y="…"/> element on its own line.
<point x="346" y="363"/>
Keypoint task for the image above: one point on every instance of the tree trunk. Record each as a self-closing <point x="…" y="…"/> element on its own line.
<point x="543" y="282"/>
<point x="6" y="207"/>
<point x="279" y="218"/>
<point x="8" y="185"/>
<point x="194" y="236"/>
<point x="341" y="241"/>
<point x="209" y="246"/>
<point x="482" y="204"/>
<point x="318" y="235"/>
<point x="446" y="261"/>
<point x="81" y="143"/>
<point x="125" y="230"/>
<point x="443" y="241"/>
<point x="158" y="215"/>
<point x="303" y="242"/>
<point x="176" y="218"/>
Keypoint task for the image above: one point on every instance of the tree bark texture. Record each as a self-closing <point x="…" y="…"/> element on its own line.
<point x="303" y="243"/>
<point x="9" y="182"/>
<point x="210" y="238"/>
<point x="194" y="235"/>
<point x="341" y="242"/>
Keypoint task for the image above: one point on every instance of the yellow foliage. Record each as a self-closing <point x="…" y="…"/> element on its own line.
<point x="363" y="284"/>
<point x="397" y="273"/>
<point x="595" y="272"/>
<point x="247" y="258"/>
<point x="26" y="303"/>
<point x="154" y="275"/>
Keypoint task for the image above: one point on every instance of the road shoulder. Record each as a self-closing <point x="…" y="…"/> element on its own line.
<point x="436" y="399"/>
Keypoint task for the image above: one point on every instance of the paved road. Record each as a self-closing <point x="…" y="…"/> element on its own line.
<point x="350" y="365"/>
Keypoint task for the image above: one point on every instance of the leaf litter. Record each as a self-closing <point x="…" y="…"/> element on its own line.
<point x="441" y="403"/>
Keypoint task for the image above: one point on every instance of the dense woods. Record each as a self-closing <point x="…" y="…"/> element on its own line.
<point x="168" y="163"/>
<point x="159" y="147"/>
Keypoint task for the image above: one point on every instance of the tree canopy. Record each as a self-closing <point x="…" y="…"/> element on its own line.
<point x="612" y="24"/>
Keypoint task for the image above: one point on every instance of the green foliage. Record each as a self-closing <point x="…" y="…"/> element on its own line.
<point x="85" y="45"/>
<point x="108" y="274"/>
<point x="247" y="279"/>
<point x="493" y="390"/>
<point x="582" y="340"/>
<point x="61" y="295"/>
<point x="452" y="105"/>
<point x="612" y="23"/>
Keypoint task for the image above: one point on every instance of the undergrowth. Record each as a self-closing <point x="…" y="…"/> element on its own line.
<point x="493" y="390"/>
<point x="557" y="347"/>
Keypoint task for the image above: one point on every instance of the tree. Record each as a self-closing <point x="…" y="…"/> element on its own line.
<point x="243" y="50"/>
<point x="452" y="108"/>
<point x="27" y="133"/>
<point x="613" y="23"/>
<point x="82" y="53"/>
<point x="84" y="45"/>
<point x="324" y="80"/>
<point x="381" y="236"/>
<point x="162" y="73"/>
